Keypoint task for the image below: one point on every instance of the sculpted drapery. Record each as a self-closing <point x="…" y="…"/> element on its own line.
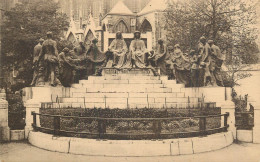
<point x="119" y="49"/>
<point x="137" y="51"/>
<point x="160" y="57"/>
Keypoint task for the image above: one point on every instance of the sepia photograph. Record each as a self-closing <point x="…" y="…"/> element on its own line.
<point x="130" y="80"/>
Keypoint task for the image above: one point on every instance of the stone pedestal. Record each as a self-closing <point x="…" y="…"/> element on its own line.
<point x="253" y="100"/>
<point x="4" y="129"/>
<point x="229" y="107"/>
<point x="46" y="94"/>
<point x="218" y="95"/>
<point x="256" y="128"/>
<point x="39" y="95"/>
<point x="31" y="106"/>
<point x="128" y="71"/>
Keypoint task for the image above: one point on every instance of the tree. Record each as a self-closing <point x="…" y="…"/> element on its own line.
<point x="228" y="22"/>
<point x="23" y="26"/>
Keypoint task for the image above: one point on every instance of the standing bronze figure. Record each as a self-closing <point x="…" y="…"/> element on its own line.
<point x="49" y="54"/>
<point x="36" y="54"/>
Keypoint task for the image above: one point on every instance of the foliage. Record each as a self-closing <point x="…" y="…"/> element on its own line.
<point x="16" y="111"/>
<point x="240" y="102"/>
<point x="23" y="25"/>
<point x="227" y="22"/>
<point x="230" y="23"/>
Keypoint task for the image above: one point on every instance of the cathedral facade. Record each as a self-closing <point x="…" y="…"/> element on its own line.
<point x="126" y="16"/>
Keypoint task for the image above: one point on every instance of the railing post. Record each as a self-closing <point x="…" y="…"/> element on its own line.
<point x="229" y="106"/>
<point x="101" y="128"/>
<point x="202" y="125"/>
<point x="34" y="119"/>
<point x="157" y="127"/>
<point x="225" y="120"/>
<point x="56" y="124"/>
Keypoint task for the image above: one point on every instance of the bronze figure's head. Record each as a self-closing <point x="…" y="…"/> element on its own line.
<point x="210" y="42"/>
<point x="137" y="34"/>
<point x="49" y="34"/>
<point x="119" y="35"/>
<point x="160" y="41"/>
<point x="65" y="50"/>
<point x="94" y="41"/>
<point x="203" y="39"/>
<point x="41" y="40"/>
<point x="177" y="46"/>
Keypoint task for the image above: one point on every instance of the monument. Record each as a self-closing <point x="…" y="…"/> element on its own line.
<point x="131" y="82"/>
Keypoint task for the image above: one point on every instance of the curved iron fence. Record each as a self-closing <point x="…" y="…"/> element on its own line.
<point x="103" y="125"/>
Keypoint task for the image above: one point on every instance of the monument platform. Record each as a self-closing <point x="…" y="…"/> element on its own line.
<point x="139" y="88"/>
<point x="128" y="88"/>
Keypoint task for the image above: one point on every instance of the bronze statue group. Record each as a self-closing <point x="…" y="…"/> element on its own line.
<point x="200" y="67"/>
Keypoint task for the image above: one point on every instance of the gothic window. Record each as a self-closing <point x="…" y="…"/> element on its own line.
<point x="71" y="38"/>
<point x="121" y="26"/>
<point x="146" y="26"/>
<point x="89" y="38"/>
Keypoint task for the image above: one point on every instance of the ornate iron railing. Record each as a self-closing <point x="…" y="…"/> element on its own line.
<point x="102" y="125"/>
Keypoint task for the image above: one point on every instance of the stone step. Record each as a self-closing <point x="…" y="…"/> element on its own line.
<point x="101" y="85"/>
<point x="125" y="90"/>
<point x="104" y="81"/>
<point x="124" y="105"/>
<point x="126" y="77"/>
<point x="174" y="86"/>
<point x="155" y="95"/>
<point x="168" y="81"/>
<point x="177" y="100"/>
<point x="99" y="95"/>
<point x="129" y="100"/>
<point x="131" y="89"/>
<point x="131" y="95"/>
<point x="126" y="85"/>
<point x="120" y="81"/>
<point x="163" y="92"/>
<point x="77" y="85"/>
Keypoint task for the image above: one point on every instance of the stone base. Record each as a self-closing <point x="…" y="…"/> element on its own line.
<point x="256" y="128"/>
<point x="128" y="71"/>
<point x="27" y="130"/>
<point x="211" y="94"/>
<point x="168" y="147"/>
<point x="4" y="129"/>
<point x="4" y="134"/>
<point x="43" y="94"/>
<point x="17" y="135"/>
<point x="245" y="135"/>
<point x="256" y="135"/>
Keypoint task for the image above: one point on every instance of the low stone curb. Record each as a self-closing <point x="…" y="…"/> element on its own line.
<point x="168" y="147"/>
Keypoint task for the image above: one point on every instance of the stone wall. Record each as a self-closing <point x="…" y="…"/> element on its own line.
<point x="4" y="129"/>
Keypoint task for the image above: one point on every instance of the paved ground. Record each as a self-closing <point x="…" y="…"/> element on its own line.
<point x="22" y="151"/>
